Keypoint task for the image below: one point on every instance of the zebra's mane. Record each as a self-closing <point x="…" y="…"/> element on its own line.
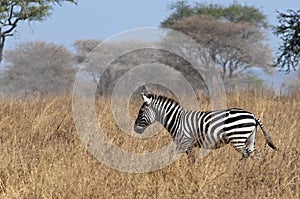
<point x="161" y="97"/>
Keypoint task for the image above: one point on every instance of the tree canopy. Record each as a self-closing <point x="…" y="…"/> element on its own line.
<point x="289" y="32"/>
<point x="14" y="11"/>
<point x="233" y="13"/>
<point x="38" y="67"/>
<point x="232" y="35"/>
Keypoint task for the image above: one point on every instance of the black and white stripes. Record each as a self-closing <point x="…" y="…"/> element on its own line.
<point x="209" y="130"/>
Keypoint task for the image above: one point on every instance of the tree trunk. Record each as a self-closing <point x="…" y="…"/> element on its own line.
<point x="230" y="70"/>
<point x="224" y="71"/>
<point x="1" y="48"/>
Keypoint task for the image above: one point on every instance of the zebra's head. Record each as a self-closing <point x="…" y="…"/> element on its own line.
<point x="146" y="114"/>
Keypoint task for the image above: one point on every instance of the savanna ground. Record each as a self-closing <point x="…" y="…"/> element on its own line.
<point x="42" y="156"/>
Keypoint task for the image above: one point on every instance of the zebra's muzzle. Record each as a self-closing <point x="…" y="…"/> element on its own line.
<point x="138" y="129"/>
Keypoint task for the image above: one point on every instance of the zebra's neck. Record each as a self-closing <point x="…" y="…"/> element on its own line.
<point x="168" y="113"/>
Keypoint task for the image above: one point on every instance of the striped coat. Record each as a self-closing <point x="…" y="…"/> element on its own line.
<point x="209" y="130"/>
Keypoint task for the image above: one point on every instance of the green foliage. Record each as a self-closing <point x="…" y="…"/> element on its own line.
<point x="181" y="9"/>
<point x="233" y="13"/>
<point x="27" y="10"/>
<point x="233" y="35"/>
<point x="13" y="11"/>
<point x="289" y="32"/>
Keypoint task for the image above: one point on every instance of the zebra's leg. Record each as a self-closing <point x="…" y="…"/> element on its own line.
<point x="179" y="149"/>
<point x="246" y="153"/>
<point x="189" y="151"/>
<point x="251" y="144"/>
<point x="191" y="154"/>
<point x="256" y="153"/>
<point x="223" y="140"/>
<point x="242" y="148"/>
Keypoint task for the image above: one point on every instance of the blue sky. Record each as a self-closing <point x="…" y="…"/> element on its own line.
<point x="103" y="19"/>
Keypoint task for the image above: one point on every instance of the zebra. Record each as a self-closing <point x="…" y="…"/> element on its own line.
<point x="208" y="130"/>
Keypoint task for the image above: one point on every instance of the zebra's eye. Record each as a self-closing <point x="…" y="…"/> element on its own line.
<point x="145" y="105"/>
<point x="143" y="108"/>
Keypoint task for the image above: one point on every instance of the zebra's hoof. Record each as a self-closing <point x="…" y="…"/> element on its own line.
<point x="245" y="157"/>
<point x="192" y="160"/>
<point x="256" y="154"/>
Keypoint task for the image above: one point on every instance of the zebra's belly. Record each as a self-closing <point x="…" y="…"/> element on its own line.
<point x="218" y="140"/>
<point x="215" y="143"/>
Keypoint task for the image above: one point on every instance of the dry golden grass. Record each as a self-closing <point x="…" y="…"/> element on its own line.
<point x="42" y="157"/>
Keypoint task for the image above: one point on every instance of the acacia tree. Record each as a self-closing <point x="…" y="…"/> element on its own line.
<point x="234" y="47"/>
<point x="38" y="67"/>
<point x="289" y="32"/>
<point x="232" y="35"/>
<point x="95" y="60"/>
<point x="84" y="47"/>
<point x="14" y="11"/>
<point x="234" y="13"/>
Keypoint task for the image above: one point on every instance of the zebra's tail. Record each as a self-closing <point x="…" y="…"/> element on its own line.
<point x="267" y="136"/>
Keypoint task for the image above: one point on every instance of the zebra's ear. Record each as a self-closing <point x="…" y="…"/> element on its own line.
<point x="146" y="90"/>
<point x="146" y="98"/>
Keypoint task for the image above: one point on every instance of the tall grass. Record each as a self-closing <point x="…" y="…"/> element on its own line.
<point x="41" y="156"/>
